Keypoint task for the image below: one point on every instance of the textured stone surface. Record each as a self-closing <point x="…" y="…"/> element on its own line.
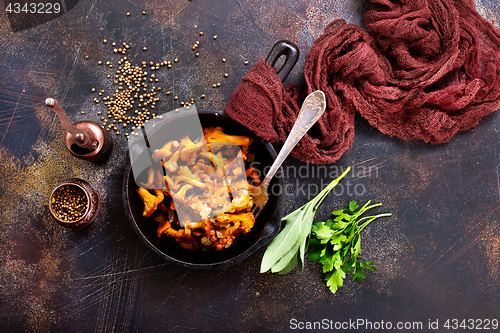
<point x="437" y="256"/>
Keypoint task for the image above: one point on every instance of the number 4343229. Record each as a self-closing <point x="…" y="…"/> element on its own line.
<point x="474" y="324"/>
<point x="33" y="8"/>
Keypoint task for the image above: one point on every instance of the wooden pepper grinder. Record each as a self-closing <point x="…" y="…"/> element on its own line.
<point x="84" y="139"/>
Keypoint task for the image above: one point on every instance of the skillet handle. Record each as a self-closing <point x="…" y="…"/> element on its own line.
<point x="291" y="52"/>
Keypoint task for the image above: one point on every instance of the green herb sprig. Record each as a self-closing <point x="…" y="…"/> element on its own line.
<point x="288" y="248"/>
<point x="337" y="244"/>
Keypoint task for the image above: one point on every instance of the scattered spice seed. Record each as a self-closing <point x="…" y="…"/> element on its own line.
<point x="144" y="48"/>
<point x="128" y="14"/>
<point x="105" y="41"/>
<point x="129" y="79"/>
<point x="203" y="96"/>
<point x="86" y="57"/>
<point x="226" y="75"/>
<point x="143" y="13"/>
<point x="215" y="37"/>
<point x="201" y="33"/>
<point x="223" y="59"/>
<point x="246" y="62"/>
<point x="99" y="62"/>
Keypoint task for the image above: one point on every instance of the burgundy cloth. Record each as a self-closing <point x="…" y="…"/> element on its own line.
<point x="426" y="70"/>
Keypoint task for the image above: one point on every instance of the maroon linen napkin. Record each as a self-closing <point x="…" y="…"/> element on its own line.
<point x="425" y="70"/>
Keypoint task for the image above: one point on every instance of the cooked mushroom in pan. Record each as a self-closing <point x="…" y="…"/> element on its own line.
<point x="199" y="193"/>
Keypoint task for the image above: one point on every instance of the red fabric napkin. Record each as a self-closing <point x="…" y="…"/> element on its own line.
<point x="426" y="70"/>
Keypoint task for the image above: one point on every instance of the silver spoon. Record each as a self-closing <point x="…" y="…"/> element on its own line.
<point x="313" y="107"/>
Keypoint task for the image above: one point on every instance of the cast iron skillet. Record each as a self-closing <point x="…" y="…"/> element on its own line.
<point x="266" y="226"/>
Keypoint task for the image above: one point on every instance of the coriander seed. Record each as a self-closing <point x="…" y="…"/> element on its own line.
<point x="69" y="203"/>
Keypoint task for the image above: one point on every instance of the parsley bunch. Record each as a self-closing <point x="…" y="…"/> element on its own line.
<point x="337" y="244"/>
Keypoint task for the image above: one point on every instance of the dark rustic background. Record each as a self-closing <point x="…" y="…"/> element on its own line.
<point x="438" y="256"/>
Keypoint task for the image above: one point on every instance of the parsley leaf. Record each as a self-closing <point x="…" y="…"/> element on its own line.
<point x="323" y="233"/>
<point x="368" y="265"/>
<point x="335" y="279"/>
<point x="358" y="274"/>
<point x="316" y="250"/>
<point x="336" y="244"/>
